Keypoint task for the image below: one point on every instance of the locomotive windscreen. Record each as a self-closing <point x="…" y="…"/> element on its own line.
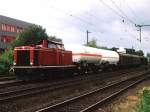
<point x="23" y="57"/>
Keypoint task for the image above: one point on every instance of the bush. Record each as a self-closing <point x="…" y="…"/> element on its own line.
<point x="6" y="61"/>
<point x="144" y="104"/>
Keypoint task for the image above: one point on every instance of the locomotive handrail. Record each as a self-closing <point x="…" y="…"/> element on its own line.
<point x="11" y="70"/>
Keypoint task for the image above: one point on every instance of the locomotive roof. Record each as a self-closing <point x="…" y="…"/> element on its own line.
<point x="55" y="42"/>
<point x="52" y="41"/>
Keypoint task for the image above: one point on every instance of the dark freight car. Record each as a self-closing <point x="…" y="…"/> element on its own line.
<point x="127" y="60"/>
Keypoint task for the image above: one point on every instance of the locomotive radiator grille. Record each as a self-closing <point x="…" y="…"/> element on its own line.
<point x="23" y="58"/>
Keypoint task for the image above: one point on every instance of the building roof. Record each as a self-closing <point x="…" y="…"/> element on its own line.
<point x="12" y="21"/>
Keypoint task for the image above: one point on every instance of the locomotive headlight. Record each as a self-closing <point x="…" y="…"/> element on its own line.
<point x="31" y="63"/>
<point x="14" y="63"/>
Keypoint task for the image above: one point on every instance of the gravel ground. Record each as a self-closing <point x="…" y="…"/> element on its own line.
<point x="127" y="101"/>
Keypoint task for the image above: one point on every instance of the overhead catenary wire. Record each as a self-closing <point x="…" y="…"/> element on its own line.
<point x="146" y="35"/>
<point x="140" y="29"/>
<point x="136" y="36"/>
<point x="76" y="17"/>
<point x="91" y="15"/>
<point x="131" y="10"/>
<point x="127" y="16"/>
<point x="128" y="29"/>
<point x="120" y="15"/>
<point x="113" y="10"/>
<point x="137" y="17"/>
<point x="123" y="13"/>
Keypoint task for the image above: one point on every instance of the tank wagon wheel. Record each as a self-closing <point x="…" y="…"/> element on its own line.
<point x="105" y="66"/>
<point x="83" y="68"/>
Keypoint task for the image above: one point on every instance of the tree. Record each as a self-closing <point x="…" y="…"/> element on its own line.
<point x="148" y="56"/>
<point x="93" y="43"/>
<point x="130" y="51"/>
<point x="104" y="47"/>
<point x="30" y="36"/>
<point x="6" y="61"/>
<point x="114" y="48"/>
<point x="139" y="52"/>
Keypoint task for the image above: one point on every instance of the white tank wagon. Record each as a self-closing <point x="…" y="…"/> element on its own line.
<point x="84" y="54"/>
<point x="109" y="57"/>
<point x="94" y="56"/>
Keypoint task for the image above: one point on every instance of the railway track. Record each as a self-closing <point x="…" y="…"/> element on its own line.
<point x="7" y="78"/>
<point x="90" y="101"/>
<point x="21" y="93"/>
<point x="5" y="81"/>
<point x="10" y="83"/>
<point x="4" y="84"/>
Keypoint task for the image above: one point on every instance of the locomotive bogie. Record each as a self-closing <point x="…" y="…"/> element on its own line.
<point x="35" y="72"/>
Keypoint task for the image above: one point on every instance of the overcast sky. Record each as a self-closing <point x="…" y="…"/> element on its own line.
<point x="111" y="22"/>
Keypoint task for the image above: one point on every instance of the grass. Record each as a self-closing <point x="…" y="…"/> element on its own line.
<point x="144" y="103"/>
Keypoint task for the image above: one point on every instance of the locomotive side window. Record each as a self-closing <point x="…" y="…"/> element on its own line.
<point x="50" y="45"/>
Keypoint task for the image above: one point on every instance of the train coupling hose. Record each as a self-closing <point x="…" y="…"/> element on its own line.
<point x="11" y="70"/>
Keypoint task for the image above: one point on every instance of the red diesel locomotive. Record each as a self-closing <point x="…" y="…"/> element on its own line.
<point x="32" y="61"/>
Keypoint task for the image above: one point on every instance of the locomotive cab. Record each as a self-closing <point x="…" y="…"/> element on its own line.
<point x="56" y="45"/>
<point x="52" y="44"/>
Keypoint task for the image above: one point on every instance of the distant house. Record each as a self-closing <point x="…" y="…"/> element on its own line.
<point x="9" y="28"/>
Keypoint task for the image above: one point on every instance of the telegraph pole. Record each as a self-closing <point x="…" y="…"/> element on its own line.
<point x="140" y="30"/>
<point x="87" y="32"/>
